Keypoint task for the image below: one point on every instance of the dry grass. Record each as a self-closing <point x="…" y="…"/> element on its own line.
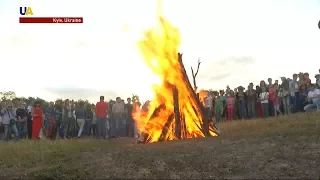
<point x="284" y="147"/>
<point x="300" y="124"/>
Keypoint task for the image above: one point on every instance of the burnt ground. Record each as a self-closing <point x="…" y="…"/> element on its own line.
<point x="285" y="148"/>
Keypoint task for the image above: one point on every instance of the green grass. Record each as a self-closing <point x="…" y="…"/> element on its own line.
<point x="243" y="145"/>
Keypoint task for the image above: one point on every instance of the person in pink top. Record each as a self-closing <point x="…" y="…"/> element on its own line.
<point x="230" y="105"/>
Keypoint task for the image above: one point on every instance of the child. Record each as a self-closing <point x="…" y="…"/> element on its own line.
<point x="230" y="106"/>
<point x="264" y="96"/>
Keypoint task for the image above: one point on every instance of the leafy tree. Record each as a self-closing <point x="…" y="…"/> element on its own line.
<point x="135" y="98"/>
<point x="7" y="95"/>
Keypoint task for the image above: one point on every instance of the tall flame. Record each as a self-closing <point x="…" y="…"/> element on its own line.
<point x="160" y="47"/>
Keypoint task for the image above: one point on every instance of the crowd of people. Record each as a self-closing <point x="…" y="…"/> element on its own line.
<point x="290" y="96"/>
<point x="114" y="119"/>
<point x="69" y="120"/>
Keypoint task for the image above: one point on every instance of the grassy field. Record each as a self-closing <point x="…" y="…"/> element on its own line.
<point x="284" y="147"/>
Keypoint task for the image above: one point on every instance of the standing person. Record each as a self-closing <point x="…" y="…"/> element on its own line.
<point x="269" y="83"/>
<point x="29" y="122"/>
<point x="218" y="108"/>
<point x="223" y="98"/>
<point x="231" y="104"/>
<point x="101" y="113"/>
<point x="22" y="120"/>
<point x="68" y="119"/>
<point x="241" y="103"/>
<point x="270" y="105"/>
<point x="89" y="117"/>
<point x="118" y="111"/>
<point x="130" y="126"/>
<point x="81" y="115"/>
<point x="136" y="115"/>
<point x="9" y="121"/>
<point x="258" y="104"/>
<point x="284" y="95"/>
<point x="58" y="121"/>
<point x="272" y="99"/>
<point x="275" y="101"/>
<point x="93" y="123"/>
<point x="50" y="115"/>
<point x="264" y="100"/>
<point x="209" y="105"/>
<point x="74" y="124"/>
<point x="37" y="122"/>
<point x="294" y="93"/>
<point x="251" y="101"/>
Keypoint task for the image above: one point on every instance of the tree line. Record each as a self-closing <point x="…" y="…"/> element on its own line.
<point x="6" y="96"/>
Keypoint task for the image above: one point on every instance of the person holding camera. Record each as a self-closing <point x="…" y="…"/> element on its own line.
<point x="9" y="121"/>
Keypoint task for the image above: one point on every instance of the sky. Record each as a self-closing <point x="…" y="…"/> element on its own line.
<point x="237" y="41"/>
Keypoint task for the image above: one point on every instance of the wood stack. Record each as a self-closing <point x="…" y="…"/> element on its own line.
<point x="176" y="119"/>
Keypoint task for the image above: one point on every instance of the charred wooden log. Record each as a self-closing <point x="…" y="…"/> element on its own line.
<point x="166" y="128"/>
<point x="177" y="113"/>
<point x="183" y="127"/>
<point x="142" y="139"/>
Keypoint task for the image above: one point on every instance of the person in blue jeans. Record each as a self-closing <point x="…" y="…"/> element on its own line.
<point x="101" y="113"/>
<point x="9" y="122"/>
<point x="22" y="120"/>
<point x="295" y="93"/>
<point x="314" y="99"/>
<point x="118" y="118"/>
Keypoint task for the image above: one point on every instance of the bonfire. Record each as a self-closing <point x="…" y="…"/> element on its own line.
<point x="175" y="112"/>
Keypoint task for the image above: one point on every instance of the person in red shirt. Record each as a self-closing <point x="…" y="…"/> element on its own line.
<point x="101" y="113"/>
<point x="306" y="77"/>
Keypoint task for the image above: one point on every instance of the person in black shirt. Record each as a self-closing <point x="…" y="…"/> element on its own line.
<point x="130" y="125"/>
<point x="22" y="120"/>
<point x="29" y="122"/>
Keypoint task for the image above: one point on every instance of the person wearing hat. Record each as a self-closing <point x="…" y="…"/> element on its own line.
<point x="9" y="121"/>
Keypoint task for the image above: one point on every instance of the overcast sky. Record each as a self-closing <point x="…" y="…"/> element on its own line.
<point x="238" y="41"/>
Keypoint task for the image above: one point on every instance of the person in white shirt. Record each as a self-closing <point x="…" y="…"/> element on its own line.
<point x="314" y="98"/>
<point x="209" y="105"/>
<point x="264" y="96"/>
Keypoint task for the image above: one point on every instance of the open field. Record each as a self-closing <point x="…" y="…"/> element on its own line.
<point x="284" y="147"/>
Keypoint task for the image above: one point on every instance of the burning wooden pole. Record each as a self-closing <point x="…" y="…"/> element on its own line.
<point x="205" y="129"/>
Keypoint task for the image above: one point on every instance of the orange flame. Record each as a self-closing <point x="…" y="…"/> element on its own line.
<point x="160" y="48"/>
